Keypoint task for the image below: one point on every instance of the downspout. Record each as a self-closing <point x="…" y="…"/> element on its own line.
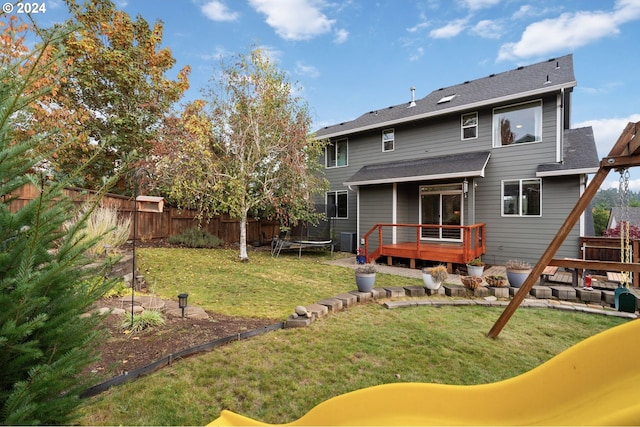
<point x="560" y="126"/>
<point x="583" y="185"/>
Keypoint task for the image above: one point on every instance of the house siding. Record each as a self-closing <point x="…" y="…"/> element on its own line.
<point x="375" y="208"/>
<point x="523" y="238"/>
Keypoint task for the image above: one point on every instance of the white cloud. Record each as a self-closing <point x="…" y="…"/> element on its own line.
<point x="418" y="27"/>
<point x="218" y="11"/>
<point x="523" y="12"/>
<point x="218" y="54"/>
<point x="478" y="4"/>
<point x="307" y="70"/>
<point x="570" y="31"/>
<point x="488" y="29"/>
<point x="341" y="36"/>
<point x="449" y="30"/>
<point x="294" y="19"/>
<point x="417" y="54"/>
<point x="607" y="131"/>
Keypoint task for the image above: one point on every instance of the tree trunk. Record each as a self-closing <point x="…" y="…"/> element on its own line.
<point x="243" y="238"/>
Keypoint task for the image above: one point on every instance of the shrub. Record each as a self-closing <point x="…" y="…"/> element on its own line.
<point x="366" y="269"/>
<point x="195" y="238"/>
<point x="476" y="262"/>
<point x="103" y="223"/>
<point x="634" y="231"/>
<point x="518" y="265"/>
<point x="439" y="272"/>
<point x="119" y="289"/>
<point x="142" y="321"/>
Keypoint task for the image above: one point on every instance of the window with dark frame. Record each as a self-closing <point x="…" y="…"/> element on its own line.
<point x="336" y="153"/>
<point x="337" y="204"/>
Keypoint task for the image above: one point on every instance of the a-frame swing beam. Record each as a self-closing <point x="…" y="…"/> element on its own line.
<point x="625" y="153"/>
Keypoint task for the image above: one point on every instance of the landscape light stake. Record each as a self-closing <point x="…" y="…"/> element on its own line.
<point x="182" y="302"/>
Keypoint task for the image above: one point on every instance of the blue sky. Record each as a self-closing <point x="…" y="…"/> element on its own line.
<point x="353" y="56"/>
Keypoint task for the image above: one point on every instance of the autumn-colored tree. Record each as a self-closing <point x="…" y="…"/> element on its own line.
<point x="246" y="149"/>
<point x="109" y="94"/>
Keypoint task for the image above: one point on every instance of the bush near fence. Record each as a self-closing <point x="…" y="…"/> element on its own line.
<point x="171" y="221"/>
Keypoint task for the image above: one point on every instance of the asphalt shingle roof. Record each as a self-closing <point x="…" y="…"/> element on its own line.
<point x="580" y="152"/>
<point x="543" y="77"/>
<point x="447" y="166"/>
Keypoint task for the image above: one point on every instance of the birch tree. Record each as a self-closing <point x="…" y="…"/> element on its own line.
<point x="246" y="148"/>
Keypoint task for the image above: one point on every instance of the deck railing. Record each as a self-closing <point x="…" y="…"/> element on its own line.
<point x="470" y="246"/>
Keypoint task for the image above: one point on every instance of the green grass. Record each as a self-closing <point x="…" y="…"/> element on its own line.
<point x="264" y="287"/>
<point x="277" y="377"/>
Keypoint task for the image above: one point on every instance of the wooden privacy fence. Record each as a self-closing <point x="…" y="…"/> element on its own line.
<point x="609" y="249"/>
<point x="153" y="224"/>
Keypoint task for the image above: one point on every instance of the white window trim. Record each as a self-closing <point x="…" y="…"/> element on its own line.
<point x="326" y="201"/>
<point x="334" y="144"/>
<point x="519" y="214"/>
<point x="392" y="131"/>
<point x="463" y="127"/>
<point x="498" y="144"/>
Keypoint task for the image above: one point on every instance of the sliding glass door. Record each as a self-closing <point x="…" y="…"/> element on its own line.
<point x="441" y="205"/>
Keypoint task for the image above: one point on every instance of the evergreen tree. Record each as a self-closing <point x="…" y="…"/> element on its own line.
<point x="46" y="284"/>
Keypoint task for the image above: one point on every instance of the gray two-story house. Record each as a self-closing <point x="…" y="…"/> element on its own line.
<point x="486" y="167"/>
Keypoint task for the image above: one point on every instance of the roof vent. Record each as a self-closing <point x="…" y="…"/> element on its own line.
<point x="520" y="67"/>
<point x="413" y="97"/>
<point x="557" y="64"/>
<point x="548" y="81"/>
<point x="492" y="75"/>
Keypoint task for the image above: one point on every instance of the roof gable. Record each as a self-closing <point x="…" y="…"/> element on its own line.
<point x="544" y="77"/>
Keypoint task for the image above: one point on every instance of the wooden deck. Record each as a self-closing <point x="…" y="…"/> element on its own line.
<point x="446" y="252"/>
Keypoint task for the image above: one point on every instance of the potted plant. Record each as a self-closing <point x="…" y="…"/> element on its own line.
<point x="496" y="280"/>
<point x="365" y="277"/>
<point x="434" y="276"/>
<point x="475" y="267"/>
<point x="517" y="272"/>
<point x="471" y="282"/>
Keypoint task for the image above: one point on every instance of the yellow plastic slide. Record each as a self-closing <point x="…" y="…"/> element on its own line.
<point x="595" y="382"/>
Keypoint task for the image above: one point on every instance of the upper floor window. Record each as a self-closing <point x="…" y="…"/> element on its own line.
<point x="522" y="197"/>
<point x="517" y="124"/>
<point x="337" y="204"/>
<point x="469" y="126"/>
<point x="336" y="153"/>
<point x="388" y="138"/>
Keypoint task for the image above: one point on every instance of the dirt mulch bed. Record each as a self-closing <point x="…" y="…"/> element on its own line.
<point x="122" y="352"/>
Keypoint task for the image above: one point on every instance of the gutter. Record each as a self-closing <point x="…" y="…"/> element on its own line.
<point x="546" y="89"/>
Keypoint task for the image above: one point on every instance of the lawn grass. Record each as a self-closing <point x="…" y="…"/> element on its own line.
<point x="264" y="287"/>
<point x="279" y="376"/>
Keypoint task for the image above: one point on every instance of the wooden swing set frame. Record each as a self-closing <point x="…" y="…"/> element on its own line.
<point x="624" y="154"/>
